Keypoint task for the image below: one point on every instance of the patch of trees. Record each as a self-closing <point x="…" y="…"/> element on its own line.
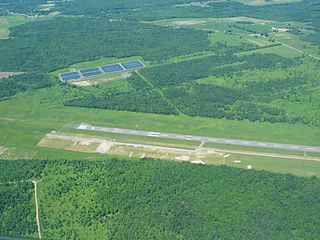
<point x="25" y="6"/>
<point x="148" y="101"/>
<point x="23" y="82"/>
<point x="152" y="199"/>
<point x="208" y="100"/>
<point x="18" y="171"/>
<point x="177" y="73"/>
<point x="17" y="209"/>
<point x="44" y="46"/>
<point x="302" y="11"/>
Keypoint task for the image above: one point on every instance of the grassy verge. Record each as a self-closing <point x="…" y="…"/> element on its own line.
<point x="25" y="118"/>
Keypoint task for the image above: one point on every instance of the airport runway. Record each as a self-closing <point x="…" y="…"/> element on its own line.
<point x="85" y="126"/>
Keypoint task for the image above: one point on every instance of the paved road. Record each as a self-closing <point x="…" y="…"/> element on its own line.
<point x="120" y="143"/>
<point x="85" y="126"/>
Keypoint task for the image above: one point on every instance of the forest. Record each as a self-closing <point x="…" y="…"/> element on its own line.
<point x="143" y="199"/>
<point x="23" y="82"/>
<point x="152" y="10"/>
<point x="17" y="212"/>
<point x="45" y="46"/>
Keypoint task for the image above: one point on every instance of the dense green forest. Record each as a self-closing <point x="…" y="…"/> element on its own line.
<point x="17" y="212"/>
<point x="17" y="6"/>
<point x="151" y="199"/>
<point x="17" y="207"/>
<point x="45" y="46"/>
<point x="23" y="82"/>
<point x="186" y="71"/>
<point x="151" y="10"/>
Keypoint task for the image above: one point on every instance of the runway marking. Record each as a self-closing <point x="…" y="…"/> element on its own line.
<point x="152" y="135"/>
<point x="198" y="138"/>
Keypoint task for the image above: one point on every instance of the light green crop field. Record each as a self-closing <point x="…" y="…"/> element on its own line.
<point x="7" y="22"/>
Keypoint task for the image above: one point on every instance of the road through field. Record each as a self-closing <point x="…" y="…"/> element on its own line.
<point x="89" y="127"/>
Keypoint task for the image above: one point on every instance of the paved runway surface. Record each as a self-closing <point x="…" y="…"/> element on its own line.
<point x="85" y="126"/>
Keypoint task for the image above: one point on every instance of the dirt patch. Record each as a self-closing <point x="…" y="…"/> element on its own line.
<point x="183" y="158"/>
<point x="8" y="74"/>
<point x="188" y="22"/>
<point x="2" y="150"/>
<point x="4" y="21"/>
<point x="198" y="162"/>
<point x="84" y="83"/>
<point x="54" y="13"/>
<point x="4" y="33"/>
<point x="103" y="148"/>
<point x="246" y="19"/>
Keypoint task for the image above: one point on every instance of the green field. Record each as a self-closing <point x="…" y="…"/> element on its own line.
<point x="43" y="110"/>
<point x="26" y="119"/>
<point x="7" y="22"/>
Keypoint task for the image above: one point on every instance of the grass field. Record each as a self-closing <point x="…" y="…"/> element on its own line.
<point x="26" y="118"/>
<point x="260" y="149"/>
<point x="297" y="167"/>
<point x="279" y="50"/>
<point x="235" y="40"/>
<point x="294" y="41"/>
<point x="42" y="112"/>
<point x="7" y="22"/>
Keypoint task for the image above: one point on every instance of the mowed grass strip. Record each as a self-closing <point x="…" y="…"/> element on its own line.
<point x="33" y="119"/>
<point x="278" y="165"/>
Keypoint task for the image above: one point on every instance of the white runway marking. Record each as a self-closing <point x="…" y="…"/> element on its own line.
<point x="86" y="126"/>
